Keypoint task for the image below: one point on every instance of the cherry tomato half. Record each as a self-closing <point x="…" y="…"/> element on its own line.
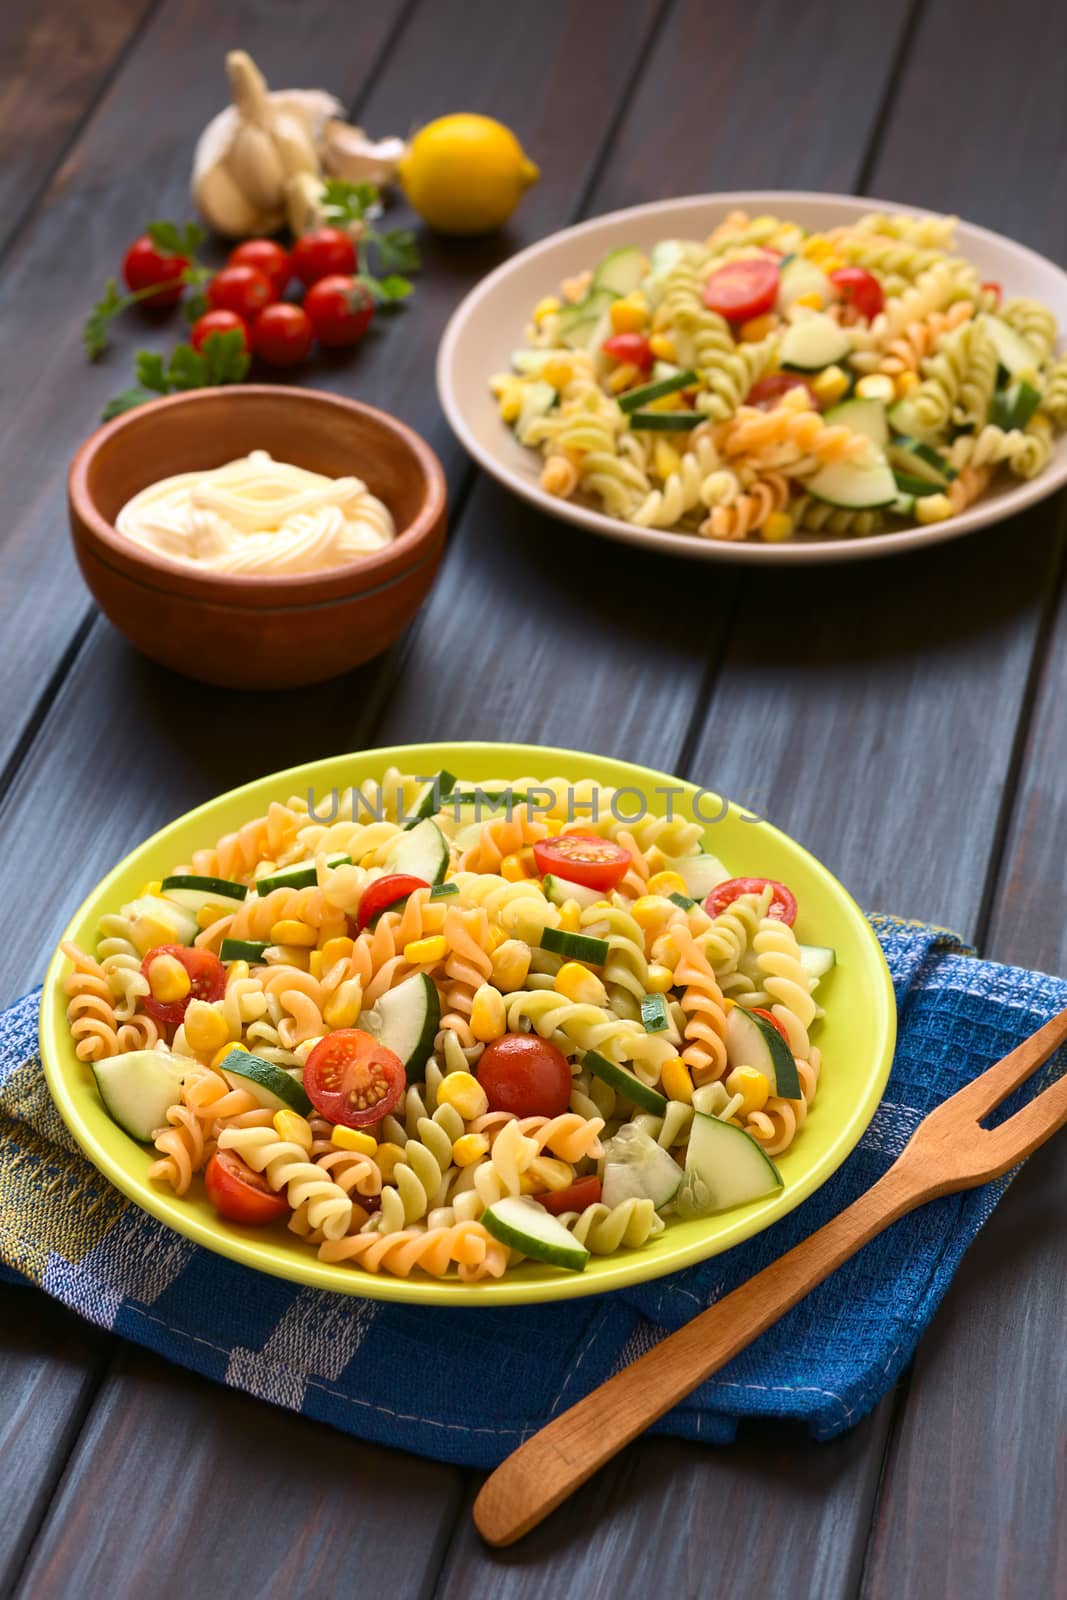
<point x="586" y="1192"/>
<point x="995" y="289"/>
<point x="340" y="310"/>
<point x="239" y="1194"/>
<point x="525" y="1075"/>
<point x="783" y="906"/>
<point x="245" y="290"/>
<point x="761" y="1011"/>
<point x="267" y="257"/>
<point x="322" y="253"/>
<point x="217" y="322"/>
<point x="207" y="980"/>
<point x="143" y="265"/>
<point x="384" y="892"/>
<point x="630" y="347"/>
<point x="282" y="334"/>
<point x="859" y="289"/>
<point x="743" y="289"/>
<point x="352" y="1079"/>
<point x="768" y="391"/>
<point x="583" y="858"/>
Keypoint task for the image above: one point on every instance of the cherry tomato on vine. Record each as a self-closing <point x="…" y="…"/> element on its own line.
<point x="282" y="334"/>
<point x="144" y="264"/>
<point x="525" y="1075"/>
<point x="354" y="1080"/>
<point x="217" y="322"/>
<point x="239" y="1194"/>
<point x="583" y="858"/>
<point x="743" y="289"/>
<point x="245" y="290"/>
<point x="340" y="310"/>
<point x="783" y="906"/>
<point x="586" y="1192"/>
<point x="267" y="257"/>
<point x="384" y="892"/>
<point x="630" y="347"/>
<point x="207" y="980"/>
<point x="323" y="253"/>
<point x="768" y="391"/>
<point x="859" y="289"/>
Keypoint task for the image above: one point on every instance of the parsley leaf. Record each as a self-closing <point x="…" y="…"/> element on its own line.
<point x="222" y="360"/>
<point x="94" y="333"/>
<point x="174" y="241"/>
<point x="397" y="250"/>
<point x="126" y="401"/>
<point x="224" y="356"/>
<point x="151" y="373"/>
<point x="344" y="202"/>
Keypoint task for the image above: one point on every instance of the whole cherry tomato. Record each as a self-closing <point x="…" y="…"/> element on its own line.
<point x="245" y="290"/>
<point x="144" y="264"/>
<point x="267" y="257"/>
<point x="239" y="1194"/>
<point x="859" y="289"/>
<point x="217" y="322"/>
<point x="282" y="334"/>
<point x="340" y="310"/>
<point x="352" y="1079"/>
<point x="525" y="1075"/>
<point x="323" y="253"/>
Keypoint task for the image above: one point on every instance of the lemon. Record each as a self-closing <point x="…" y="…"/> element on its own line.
<point x="465" y="173"/>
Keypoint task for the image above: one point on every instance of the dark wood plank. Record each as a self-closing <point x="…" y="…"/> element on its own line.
<point x="48" y="1365"/>
<point x="56" y="58"/>
<point x="179" y="1486"/>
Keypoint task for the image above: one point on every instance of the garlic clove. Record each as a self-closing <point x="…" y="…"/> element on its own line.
<point x="348" y="153"/>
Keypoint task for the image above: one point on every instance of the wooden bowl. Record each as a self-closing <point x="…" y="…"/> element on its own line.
<point x="248" y="631"/>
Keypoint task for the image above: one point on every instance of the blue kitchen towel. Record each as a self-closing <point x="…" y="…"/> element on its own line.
<point x="469" y="1386"/>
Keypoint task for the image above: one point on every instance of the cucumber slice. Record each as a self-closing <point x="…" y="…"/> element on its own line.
<point x="921" y="460"/>
<point x="537" y="402"/>
<point x="626" y="1083"/>
<point x="702" y="873"/>
<point x="430" y="798"/>
<point x="578" y="324"/>
<point x="797" y="276"/>
<point x="559" y="890"/>
<point x="856" y="486"/>
<point x="682" y="900"/>
<point x="902" y="419"/>
<point x="250" y="950"/>
<point x="405" y="1020"/>
<point x="195" y="892"/>
<point x="665" y="256"/>
<point x="665" y="421"/>
<point x="1014" y="353"/>
<point x="664" y="369"/>
<point x="634" y="399"/>
<point x="914" y="488"/>
<point x="903" y="506"/>
<point x="753" y="1042"/>
<point x="654" y="1013"/>
<point x="621" y="271"/>
<point x="862" y="416"/>
<point x="272" y="1086"/>
<point x="816" y="342"/>
<point x="299" y="876"/>
<point x="154" y="920"/>
<point x="522" y="1224"/>
<point x="817" y="959"/>
<point x="422" y="851"/>
<point x="530" y="363"/>
<point x="636" y="1168"/>
<point x="139" y="1087"/>
<point x="724" y="1167"/>
<point x="1013" y="407"/>
<point x="575" y="946"/>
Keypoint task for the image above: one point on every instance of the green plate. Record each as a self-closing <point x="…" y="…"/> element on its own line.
<point x="856" y="1038"/>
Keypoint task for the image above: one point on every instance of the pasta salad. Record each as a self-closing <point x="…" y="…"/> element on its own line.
<point x="769" y="383"/>
<point x="445" y="1027"/>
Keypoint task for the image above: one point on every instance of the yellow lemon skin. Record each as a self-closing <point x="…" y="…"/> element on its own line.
<point x="465" y="174"/>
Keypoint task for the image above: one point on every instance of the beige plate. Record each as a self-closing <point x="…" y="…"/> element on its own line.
<point x="489" y="324"/>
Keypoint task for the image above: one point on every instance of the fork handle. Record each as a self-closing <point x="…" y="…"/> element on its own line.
<point x="541" y="1473"/>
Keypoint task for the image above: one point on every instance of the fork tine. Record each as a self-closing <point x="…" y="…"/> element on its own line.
<point x="979" y="1098"/>
<point x="1022" y="1133"/>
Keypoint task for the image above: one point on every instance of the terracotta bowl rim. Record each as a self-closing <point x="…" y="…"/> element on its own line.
<point x="283" y="591"/>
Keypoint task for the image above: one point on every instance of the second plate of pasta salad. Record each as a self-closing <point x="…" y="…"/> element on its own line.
<point x="773" y="380"/>
<point x="459" y="1030"/>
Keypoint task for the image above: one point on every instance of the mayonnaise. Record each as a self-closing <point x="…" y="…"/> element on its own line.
<point x="257" y="515"/>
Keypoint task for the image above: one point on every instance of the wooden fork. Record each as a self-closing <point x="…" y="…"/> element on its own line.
<point x="949" y="1150"/>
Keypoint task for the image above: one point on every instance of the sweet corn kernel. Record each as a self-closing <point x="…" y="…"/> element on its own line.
<point x="511" y="868"/>
<point x="463" y="1092"/>
<point x="667" y="883"/>
<point x="205" y="1028"/>
<point x="663" y="347"/>
<point x="651" y="910"/>
<point x="494" y="938"/>
<point x="367" y="860"/>
<point x="554" y="826"/>
<point x="155" y="887"/>
<point x="665" y="458"/>
<point x="753" y="1087"/>
<point x="675" y="1080"/>
<point x="291" y="1125"/>
<point x="511" y="963"/>
<point x="579" y="985"/>
<point x="659" y="979"/>
<point x="288" y="955"/>
<point x="469" y="1148"/>
<point x="630" y="314"/>
<point x="876" y="386"/>
<point x="209" y="914"/>
<point x="830" y="384"/>
<point x="343" y="1008"/>
<point x="757" y="328"/>
<point x="336" y="949"/>
<point x="352" y="1139"/>
<point x="223" y="1051"/>
<point x="727" y="1003"/>
<point x="509" y="406"/>
<point x="424" y="952"/>
<point x="817" y="246"/>
<point x="387" y="1156"/>
<point x="168" y="980"/>
<point x="570" y="916"/>
<point x="906" y="381"/>
<point x="778" y="526"/>
<point x="624" y="377"/>
<point x="933" y="508"/>
<point x="237" y="972"/>
<point x="488" y="1016"/>
<point x="289" y="931"/>
<point x="316" y="965"/>
<point x="558" y="372"/>
<point x="813" y="299"/>
<point x="546" y="307"/>
<point x="546" y="1172"/>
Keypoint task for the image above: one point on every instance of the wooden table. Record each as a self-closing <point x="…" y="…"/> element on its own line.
<point x="903" y="719"/>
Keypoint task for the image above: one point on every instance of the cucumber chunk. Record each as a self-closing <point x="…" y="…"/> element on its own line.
<point x="637" y="1168"/>
<point x="432" y="796"/>
<point x="920" y="460"/>
<point x="299" y="876"/>
<point x="902" y="419"/>
<point x="634" y="399"/>
<point x="406" y="1020"/>
<point x="701" y="874"/>
<point x="578" y="325"/>
<point x="422" y="851"/>
<point x="903" y="505"/>
<point x="666" y="255"/>
<point x="816" y="342"/>
<point x="724" y="1167"/>
<point x="654" y="1013"/>
<point x="537" y="402"/>
<point x="250" y="950"/>
<point x="575" y="946"/>
<point x="139" y="1087"/>
<point x="272" y="1086"/>
<point x="626" y="1083"/>
<point x="559" y="890"/>
<point x="753" y="1042"/>
<point x="1013" y="407"/>
<point x="914" y="488"/>
<point x="154" y="920"/>
<point x="1014" y="353"/>
<point x="665" y="421"/>
<point x="854" y="485"/>
<point x="530" y="363"/>
<point x="523" y="1225"/>
<point x="621" y="270"/>
<point x="817" y="959"/>
<point x="862" y="416"/>
<point x="799" y="276"/>
<point x="186" y="889"/>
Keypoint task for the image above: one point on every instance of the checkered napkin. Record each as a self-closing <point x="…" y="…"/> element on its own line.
<point x="468" y="1386"/>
